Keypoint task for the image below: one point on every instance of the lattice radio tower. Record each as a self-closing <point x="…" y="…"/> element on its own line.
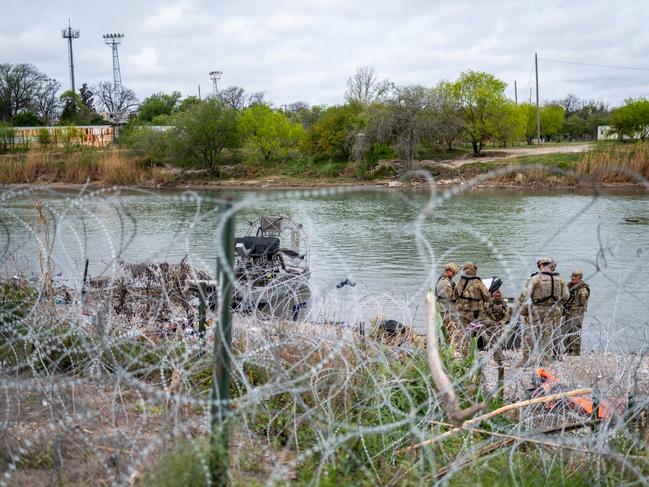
<point x="70" y="34"/>
<point x="114" y="40"/>
<point x="215" y="76"/>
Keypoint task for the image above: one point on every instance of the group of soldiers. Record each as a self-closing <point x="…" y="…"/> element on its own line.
<point x="551" y="311"/>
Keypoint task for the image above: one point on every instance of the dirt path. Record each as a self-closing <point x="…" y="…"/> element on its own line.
<point x="517" y="152"/>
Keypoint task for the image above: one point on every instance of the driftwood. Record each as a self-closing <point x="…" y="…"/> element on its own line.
<point x="456" y="416"/>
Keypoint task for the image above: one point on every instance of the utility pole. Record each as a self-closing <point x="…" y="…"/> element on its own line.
<point x="199" y="92"/>
<point x="70" y="34"/>
<point x="538" y="113"/>
<point x="515" y="93"/>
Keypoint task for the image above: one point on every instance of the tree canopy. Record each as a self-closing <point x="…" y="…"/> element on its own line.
<point x="482" y="98"/>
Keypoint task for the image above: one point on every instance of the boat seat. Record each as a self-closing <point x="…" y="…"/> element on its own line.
<point x="257" y="246"/>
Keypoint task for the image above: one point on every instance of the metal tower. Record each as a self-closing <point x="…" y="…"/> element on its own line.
<point x="114" y="40"/>
<point x="70" y="34"/>
<point x="215" y="76"/>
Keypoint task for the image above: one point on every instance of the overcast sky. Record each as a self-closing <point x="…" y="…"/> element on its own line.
<point x="305" y="50"/>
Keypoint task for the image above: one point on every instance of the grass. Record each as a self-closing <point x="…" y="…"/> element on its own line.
<point x="73" y="166"/>
<point x="616" y="163"/>
<point x="607" y="163"/>
<point x="343" y="412"/>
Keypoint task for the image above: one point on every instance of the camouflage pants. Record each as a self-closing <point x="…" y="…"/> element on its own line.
<point x="450" y="322"/>
<point x="571" y="333"/>
<point x="465" y="336"/>
<point x="492" y="335"/>
<point x="543" y="325"/>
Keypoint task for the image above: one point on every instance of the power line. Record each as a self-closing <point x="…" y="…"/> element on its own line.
<point x="634" y="68"/>
<point x="579" y="80"/>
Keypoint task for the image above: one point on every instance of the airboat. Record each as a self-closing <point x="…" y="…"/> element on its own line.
<point x="271" y="268"/>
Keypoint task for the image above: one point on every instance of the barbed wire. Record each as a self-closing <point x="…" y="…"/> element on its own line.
<point x="108" y="377"/>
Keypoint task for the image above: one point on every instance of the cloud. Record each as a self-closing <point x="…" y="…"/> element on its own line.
<point x="293" y="49"/>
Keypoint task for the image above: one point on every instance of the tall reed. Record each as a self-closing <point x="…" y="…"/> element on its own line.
<point x="618" y="163"/>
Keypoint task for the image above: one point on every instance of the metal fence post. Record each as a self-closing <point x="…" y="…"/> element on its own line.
<point x="202" y="308"/>
<point x="222" y="348"/>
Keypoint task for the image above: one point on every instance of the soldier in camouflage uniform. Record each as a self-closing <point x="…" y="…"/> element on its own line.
<point x="445" y="294"/>
<point x="543" y="296"/>
<point x="497" y="316"/>
<point x="573" y="313"/>
<point x="471" y="297"/>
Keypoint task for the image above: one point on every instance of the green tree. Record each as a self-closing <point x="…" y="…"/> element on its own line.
<point x="269" y="132"/>
<point x="202" y="132"/>
<point x="632" y="119"/>
<point x="158" y="104"/>
<point x="74" y="110"/>
<point x="332" y="135"/>
<point x="481" y="96"/>
<point x="552" y="116"/>
<point x="26" y="119"/>
<point x="448" y="122"/>
<point x="188" y="102"/>
<point x="509" y="123"/>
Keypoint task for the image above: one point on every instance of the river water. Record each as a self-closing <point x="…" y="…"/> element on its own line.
<point x="379" y="240"/>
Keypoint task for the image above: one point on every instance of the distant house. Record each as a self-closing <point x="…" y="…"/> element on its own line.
<point x="606" y="132"/>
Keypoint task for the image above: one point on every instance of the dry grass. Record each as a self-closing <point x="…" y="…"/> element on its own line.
<point x="109" y="167"/>
<point x="619" y="163"/>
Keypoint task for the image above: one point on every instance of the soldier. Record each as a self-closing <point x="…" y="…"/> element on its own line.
<point x="445" y="294"/>
<point x="543" y="296"/>
<point x="573" y="313"/>
<point x="498" y="316"/>
<point x="471" y="297"/>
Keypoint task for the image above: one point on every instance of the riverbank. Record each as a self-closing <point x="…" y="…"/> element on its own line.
<point x="546" y="167"/>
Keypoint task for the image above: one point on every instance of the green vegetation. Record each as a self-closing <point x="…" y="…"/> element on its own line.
<point x="632" y="119"/>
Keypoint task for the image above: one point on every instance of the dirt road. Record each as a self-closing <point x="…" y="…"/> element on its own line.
<point x="517" y="152"/>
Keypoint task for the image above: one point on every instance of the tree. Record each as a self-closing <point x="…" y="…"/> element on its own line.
<point x="332" y="135"/>
<point x="552" y="116"/>
<point x="406" y="121"/>
<point x="269" y="132"/>
<point x="365" y="88"/>
<point x="481" y="96"/>
<point x="202" y="132"/>
<point x="571" y="103"/>
<point x="299" y="112"/>
<point x="233" y="97"/>
<point x="447" y="121"/>
<point x="26" y="119"/>
<point x="87" y="95"/>
<point x="18" y="85"/>
<point x="74" y="111"/>
<point x="158" y="104"/>
<point x="632" y="119"/>
<point x="510" y="123"/>
<point x="46" y="100"/>
<point x="258" y="98"/>
<point x="117" y="102"/>
<point x="188" y="102"/>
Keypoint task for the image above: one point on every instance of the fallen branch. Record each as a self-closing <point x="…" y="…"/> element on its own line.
<point x="499" y="411"/>
<point x="443" y="384"/>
